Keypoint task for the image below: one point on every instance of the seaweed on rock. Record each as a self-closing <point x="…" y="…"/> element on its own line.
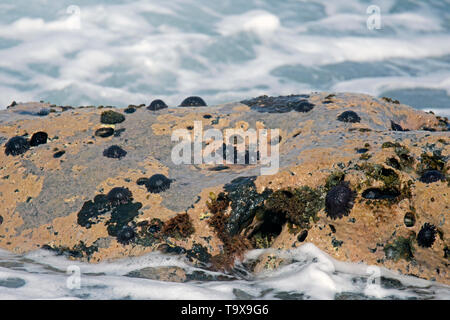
<point x="281" y="104"/>
<point x="401" y="248"/>
<point x="179" y="227"/>
<point x="298" y="206"/>
<point x="111" y="117"/>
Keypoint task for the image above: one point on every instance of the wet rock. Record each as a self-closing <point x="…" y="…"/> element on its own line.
<point x="170" y="273"/>
<point x="231" y="207"/>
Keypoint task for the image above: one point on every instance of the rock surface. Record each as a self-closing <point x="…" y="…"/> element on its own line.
<point x="358" y="185"/>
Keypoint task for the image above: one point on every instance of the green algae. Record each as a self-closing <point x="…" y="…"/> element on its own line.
<point x="401" y="248"/>
<point x="299" y="206"/>
<point x="111" y="117"/>
<point x="334" y="179"/>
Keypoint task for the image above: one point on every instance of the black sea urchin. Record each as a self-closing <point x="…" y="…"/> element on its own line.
<point x="115" y="152"/>
<point x="156" y="105"/>
<point x="339" y="201"/>
<point x="38" y="138"/>
<point x="119" y="195"/>
<point x="426" y="235"/>
<point x="16" y="146"/>
<point x="349" y="116"/>
<point x="126" y="235"/>
<point x="431" y="176"/>
<point x="158" y="183"/>
<point x="193" y="102"/>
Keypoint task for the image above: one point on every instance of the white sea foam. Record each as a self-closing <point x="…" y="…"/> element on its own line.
<point x="134" y="51"/>
<point x="307" y="274"/>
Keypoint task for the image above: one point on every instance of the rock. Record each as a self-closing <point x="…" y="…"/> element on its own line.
<point x="172" y="274"/>
<point x="389" y="208"/>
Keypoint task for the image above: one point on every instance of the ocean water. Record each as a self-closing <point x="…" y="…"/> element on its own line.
<point x="307" y="274"/>
<point x="121" y="52"/>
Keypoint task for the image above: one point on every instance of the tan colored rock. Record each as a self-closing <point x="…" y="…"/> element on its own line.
<point x="41" y="196"/>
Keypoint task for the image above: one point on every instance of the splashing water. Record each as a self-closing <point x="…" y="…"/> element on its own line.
<point x="130" y="52"/>
<point x="306" y="273"/>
